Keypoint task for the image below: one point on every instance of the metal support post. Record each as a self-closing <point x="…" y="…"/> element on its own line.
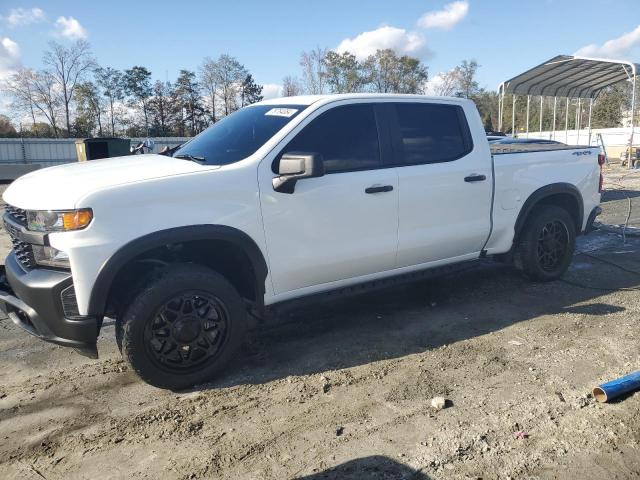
<point x="528" y="104"/>
<point x="578" y="117"/>
<point x="513" y="116"/>
<point x="633" y="118"/>
<point x="541" y="116"/>
<point x="555" y="102"/>
<point x="566" y="123"/>
<point x="590" y="110"/>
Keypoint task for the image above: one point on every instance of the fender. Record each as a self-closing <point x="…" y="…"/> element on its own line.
<point x="548" y="190"/>
<point x="109" y="270"/>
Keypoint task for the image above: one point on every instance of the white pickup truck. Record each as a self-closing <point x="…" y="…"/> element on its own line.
<point x="284" y="199"/>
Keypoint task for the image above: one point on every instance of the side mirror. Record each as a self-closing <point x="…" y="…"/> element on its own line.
<point x="296" y="166"/>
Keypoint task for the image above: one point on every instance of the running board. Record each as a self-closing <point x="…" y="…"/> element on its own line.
<point x="366" y="287"/>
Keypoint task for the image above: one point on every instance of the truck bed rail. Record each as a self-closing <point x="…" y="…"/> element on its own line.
<point x="533" y="147"/>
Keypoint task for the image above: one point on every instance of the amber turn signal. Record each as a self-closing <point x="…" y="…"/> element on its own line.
<point x="77" y="219"/>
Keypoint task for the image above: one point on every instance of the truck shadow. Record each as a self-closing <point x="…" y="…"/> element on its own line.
<point x="373" y="467"/>
<point x="417" y="317"/>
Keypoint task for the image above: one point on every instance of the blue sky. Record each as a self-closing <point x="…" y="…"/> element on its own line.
<point x="505" y="37"/>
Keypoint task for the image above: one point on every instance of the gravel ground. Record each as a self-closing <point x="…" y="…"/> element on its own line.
<point x="344" y="389"/>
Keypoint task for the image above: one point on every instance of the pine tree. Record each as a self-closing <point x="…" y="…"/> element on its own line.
<point x="187" y="91"/>
<point x="250" y="92"/>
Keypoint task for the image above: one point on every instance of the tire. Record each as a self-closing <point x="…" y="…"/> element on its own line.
<point x="183" y="327"/>
<point x="546" y="244"/>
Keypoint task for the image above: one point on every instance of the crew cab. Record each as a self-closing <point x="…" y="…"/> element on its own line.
<point x="285" y="199"/>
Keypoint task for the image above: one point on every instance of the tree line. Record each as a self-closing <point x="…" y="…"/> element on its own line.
<point x="73" y="96"/>
<point x="327" y="71"/>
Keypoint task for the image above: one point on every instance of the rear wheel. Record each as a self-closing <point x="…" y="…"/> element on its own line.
<point x="546" y="245"/>
<point x="183" y="327"/>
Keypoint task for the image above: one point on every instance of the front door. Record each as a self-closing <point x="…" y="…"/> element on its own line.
<point x="341" y="225"/>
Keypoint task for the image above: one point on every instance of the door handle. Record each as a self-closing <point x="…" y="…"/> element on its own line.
<point x="475" y="178"/>
<point x="378" y="189"/>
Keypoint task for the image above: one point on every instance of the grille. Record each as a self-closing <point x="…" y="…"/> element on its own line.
<point x="24" y="252"/>
<point x="69" y="304"/>
<point x="18" y="215"/>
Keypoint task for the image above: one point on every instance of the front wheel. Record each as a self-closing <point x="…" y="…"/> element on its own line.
<point x="547" y="243"/>
<point x="183" y="327"/>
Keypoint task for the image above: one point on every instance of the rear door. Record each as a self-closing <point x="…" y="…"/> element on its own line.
<point x="444" y="181"/>
<point x="344" y="224"/>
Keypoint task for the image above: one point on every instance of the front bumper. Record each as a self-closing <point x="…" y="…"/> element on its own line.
<point x="32" y="299"/>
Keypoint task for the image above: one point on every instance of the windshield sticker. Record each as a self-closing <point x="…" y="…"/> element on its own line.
<point x="282" y="112"/>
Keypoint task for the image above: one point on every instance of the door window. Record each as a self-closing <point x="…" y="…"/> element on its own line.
<point x="346" y="137"/>
<point x="432" y="133"/>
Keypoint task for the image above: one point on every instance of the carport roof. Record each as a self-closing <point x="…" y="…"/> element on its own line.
<point x="571" y="76"/>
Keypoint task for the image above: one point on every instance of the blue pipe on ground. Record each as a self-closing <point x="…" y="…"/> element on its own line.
<point x="613" y="389"/>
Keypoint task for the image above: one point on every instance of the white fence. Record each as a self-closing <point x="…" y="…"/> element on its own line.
<point x="54" y="151"/>
<point x="615" y="139"/>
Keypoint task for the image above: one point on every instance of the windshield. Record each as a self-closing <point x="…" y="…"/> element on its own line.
<point x="238" y="135"/>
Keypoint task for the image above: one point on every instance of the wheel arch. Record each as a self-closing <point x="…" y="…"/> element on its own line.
<point x="102" y="287"/>
<point x="564" y="195"/>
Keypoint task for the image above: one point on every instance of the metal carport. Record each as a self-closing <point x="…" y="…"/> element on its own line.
<point x="571" y="77"/>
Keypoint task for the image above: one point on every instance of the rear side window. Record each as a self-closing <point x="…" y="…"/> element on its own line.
<point x="432" y="133"/>
<point x="346" y="137"/>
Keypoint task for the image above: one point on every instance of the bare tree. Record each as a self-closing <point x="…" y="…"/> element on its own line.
<point x="445" y="83"/>
<point x="314" y="70"/>
<point x="291" y="86"/>
<point x="36" y="93"/>
<point x="230" y="74"/>
<point x="110" y="81"/>
<point x="68" y="66"/>
<point x="20" y="88"/>
<point x="208" y="77"/>
<point x="222" y="80"/>
<point x="46" y="99"/>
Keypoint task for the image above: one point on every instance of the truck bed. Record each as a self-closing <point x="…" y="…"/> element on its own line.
<point x="521" y="169"/>
<point x="507" y="148"/>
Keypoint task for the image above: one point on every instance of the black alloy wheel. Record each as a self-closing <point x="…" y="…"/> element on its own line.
<point x="182" y="327"/>
<point x="187" y="330"/>
<point x="553" y="241"/>
<point x="545" y="247"/>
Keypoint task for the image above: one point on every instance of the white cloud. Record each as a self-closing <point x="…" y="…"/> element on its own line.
<point x="271" y="90"/>
<point x="70" y="28"/>
<point x="446" y="18"/>
<point x="10" y="47"/>
<point x="614" y="48"/>
<point x="397" y="39"/>
<point x="9" y="57"/>
<point x="24" y="16"/>
<point x="402" y="41"/>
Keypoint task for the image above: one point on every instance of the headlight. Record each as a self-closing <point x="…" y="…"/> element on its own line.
<point x="49" y="256"/>
<point x="58" y="221"/>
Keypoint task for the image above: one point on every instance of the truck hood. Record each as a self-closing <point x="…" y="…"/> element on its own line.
<point x="61" y="187"/>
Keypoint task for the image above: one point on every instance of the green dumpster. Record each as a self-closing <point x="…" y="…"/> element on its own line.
<point x="101" y="147"/>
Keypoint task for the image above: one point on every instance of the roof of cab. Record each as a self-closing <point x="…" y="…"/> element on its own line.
<point x="310" y="99"/>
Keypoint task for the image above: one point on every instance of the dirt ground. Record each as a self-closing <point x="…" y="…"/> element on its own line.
<point x="343" y="390"/>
